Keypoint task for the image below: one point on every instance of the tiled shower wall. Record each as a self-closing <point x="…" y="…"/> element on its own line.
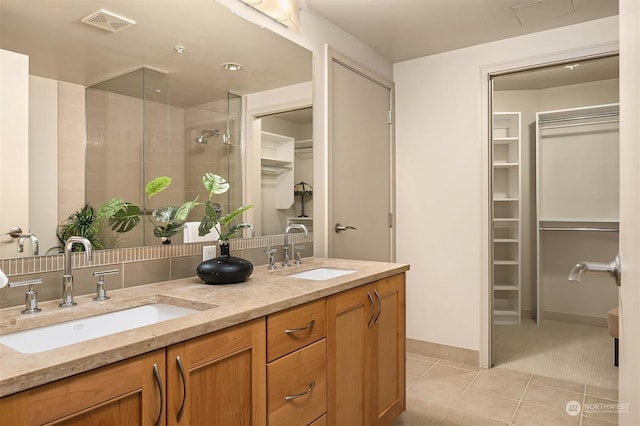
<point x="71" y="136"/>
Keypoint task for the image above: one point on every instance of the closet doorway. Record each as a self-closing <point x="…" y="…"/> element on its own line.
<point x="554" y="185"/>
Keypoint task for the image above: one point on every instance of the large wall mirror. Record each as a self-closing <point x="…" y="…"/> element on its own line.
<point x="141" y="92"/>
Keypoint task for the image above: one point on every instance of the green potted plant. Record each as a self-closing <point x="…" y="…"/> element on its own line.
<point x="224" y="269"/>
<point x="167" y="221"/>
<point x="216" y="185"/>
<point x="82" y="223"/>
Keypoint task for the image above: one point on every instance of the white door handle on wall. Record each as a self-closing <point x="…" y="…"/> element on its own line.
<point x="612" y="268"/>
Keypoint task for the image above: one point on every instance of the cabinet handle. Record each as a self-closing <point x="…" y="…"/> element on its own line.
<point x="297" y="330"/>
<point x="184" y="388"/>
<point x="298" y="395"/>
<point x="379" y="306"/>
<point x="158" y="378"/>
<point x="373" y="309"/>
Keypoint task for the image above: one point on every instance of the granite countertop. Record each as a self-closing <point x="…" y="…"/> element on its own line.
<point x="221" y="306"/>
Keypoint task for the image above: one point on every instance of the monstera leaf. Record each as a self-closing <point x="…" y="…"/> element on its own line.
<point x="168" y="230"/>
<point x="215" y="184"/>
<point x="123" y="217"/>
<point x="158" y="184"/>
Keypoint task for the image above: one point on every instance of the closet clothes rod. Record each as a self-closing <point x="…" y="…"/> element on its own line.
<point x="579" y="117"/>
<point x="578" y="124"/>
<point x="559" y="228"/>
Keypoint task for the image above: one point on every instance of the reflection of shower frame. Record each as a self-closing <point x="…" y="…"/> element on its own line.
<point x="149" y="90"/>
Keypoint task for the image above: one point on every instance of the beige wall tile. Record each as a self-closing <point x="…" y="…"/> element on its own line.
<point x="137" y="273"/>
<point x="185" y="266"/>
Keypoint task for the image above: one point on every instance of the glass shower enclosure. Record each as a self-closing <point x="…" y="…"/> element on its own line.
<point x="136" y="131"/>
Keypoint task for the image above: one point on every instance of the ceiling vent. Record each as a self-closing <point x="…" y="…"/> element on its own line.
<point x="108" y="21"/>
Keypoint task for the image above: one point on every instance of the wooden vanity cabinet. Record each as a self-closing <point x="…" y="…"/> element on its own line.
<point x="124" y="393"/>
<point x="366" y="354"/>
<point x="341" y="358"/>
<point x="219" y="378"/>
<point x="297" y="368"/>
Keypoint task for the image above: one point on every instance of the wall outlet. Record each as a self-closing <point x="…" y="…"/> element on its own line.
<point x="208" y="252"/>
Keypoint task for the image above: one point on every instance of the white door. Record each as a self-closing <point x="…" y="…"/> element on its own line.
<point x="360" y="163"/>
<point x="629" y="395"/>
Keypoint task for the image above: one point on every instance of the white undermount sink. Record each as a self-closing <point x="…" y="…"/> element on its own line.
<point x="54" y="336"/>
<point x="320" y="274"/>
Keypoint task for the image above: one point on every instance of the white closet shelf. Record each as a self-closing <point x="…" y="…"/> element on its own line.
<point x="500" y="141"/>
<point x="505" y="262"/>
<point x="273" y="162"/>
<point x="504" y="312"/>
<point x="505" y="287"/>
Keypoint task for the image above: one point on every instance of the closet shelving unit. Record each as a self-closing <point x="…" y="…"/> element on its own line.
<point x="577" y="183"/>
<point x="277" y="160"/>
<point x="506" y="217"/>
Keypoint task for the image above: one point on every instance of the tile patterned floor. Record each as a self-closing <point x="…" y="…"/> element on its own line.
<point x="441" y="392"/>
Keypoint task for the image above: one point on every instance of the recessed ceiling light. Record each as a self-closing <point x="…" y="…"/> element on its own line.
<point x="180" y="48"/>
<point x="571" y="67"/>
<point x="231" y="66"/>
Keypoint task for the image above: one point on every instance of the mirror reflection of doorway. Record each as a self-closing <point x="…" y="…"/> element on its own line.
<point x="286" y="151"/>
<point x="542" y="323"/>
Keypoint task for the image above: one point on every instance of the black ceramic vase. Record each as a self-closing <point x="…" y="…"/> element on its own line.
<point x="224" y="269"/>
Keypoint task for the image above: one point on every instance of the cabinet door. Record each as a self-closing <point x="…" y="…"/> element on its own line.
<point x="388" y="375"/>
<point x="124" y="393"/>
<point x="349" y="316"/>
<point x="219" y="378"/>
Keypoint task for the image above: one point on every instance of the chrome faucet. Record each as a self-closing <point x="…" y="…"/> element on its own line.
<point x="67" y="279"/>
<point x="285" y="263"/>
<point x="35" y="247"/>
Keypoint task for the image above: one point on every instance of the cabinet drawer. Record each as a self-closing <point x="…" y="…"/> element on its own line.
<point x="296" y="386"/>
<point x="294" y="328"/>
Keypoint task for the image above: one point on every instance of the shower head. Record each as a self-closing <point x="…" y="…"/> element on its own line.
<point x="205" y="134"/>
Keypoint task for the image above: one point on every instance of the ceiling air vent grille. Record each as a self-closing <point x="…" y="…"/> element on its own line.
<point x="108" y="21"/>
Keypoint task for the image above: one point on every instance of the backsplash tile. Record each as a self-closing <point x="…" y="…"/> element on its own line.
<point x="138" y="265"/>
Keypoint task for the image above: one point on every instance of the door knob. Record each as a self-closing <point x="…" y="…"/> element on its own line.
<point x="612" y="268"/>
<point x="339" y="227"/>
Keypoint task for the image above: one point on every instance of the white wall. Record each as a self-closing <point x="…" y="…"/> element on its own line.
<point x="43" y="162"/>
<point x="440" y="188"/>
<point x="14" y="147"/>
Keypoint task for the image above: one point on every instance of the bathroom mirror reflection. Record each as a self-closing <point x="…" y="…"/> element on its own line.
<point x="185" y="89"/>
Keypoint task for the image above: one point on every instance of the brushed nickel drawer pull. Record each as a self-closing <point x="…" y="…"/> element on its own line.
<point x="158" y="379"/>
<point x="312" y="385"/>
<point x="297" y="330"/>
<point x="183" y="376"/>
<point x="379" y="306"/>
<point x="373" y="310"/>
